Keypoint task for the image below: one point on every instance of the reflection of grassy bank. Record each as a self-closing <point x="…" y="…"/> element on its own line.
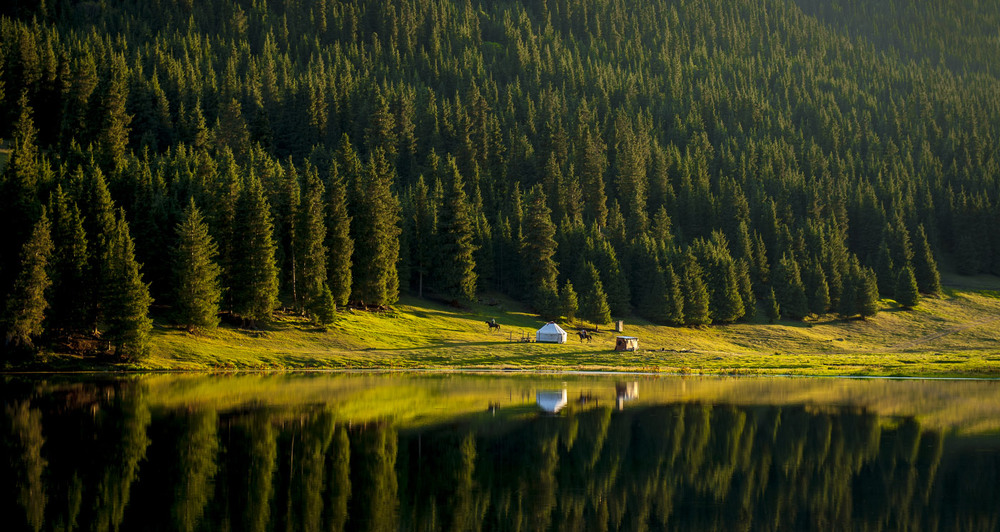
<point x="418" y="399"/>
<point x="957" y="334"/>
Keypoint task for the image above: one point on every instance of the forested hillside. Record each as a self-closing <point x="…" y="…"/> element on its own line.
<point x="688" y="161"/>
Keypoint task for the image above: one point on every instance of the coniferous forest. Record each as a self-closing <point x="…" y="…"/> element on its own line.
<point x="686" y="161"/>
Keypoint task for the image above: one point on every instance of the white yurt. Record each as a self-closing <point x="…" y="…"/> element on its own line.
<point x="551" y="333"/>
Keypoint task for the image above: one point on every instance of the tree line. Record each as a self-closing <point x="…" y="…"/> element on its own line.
<point x="689" y="162"/>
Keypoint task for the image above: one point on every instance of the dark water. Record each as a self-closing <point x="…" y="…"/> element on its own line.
<point x="460" y="452"/>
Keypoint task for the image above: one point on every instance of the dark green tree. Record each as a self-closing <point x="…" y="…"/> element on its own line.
<point x="673" y="297"/>
<point x="907" y="293"/>
<point x="197" y="291"/>
<point x="26" y="305"/>
<point x="126" y="298"/>
<point x="790" y="291"/>
<point x="456" y="268"/>
<point x="924" y="266"/>
<point x="538" y="248"/>
<point x="310" y="237"/>
<point x="569" y="301"/>
<point x="696" y="298"/>
<point x="339" y="245"/>
<point x="771" y="307"/>
<point x="375" y="229"/>
<point x="255" y="275"/>
<point x="593" y="301"/>
<point x="69" y="265"/>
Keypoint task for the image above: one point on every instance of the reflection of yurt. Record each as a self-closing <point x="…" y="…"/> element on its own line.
<point x="551" y="333"/>
<point x="551" y="401"/>
<point x="626" y="343"/>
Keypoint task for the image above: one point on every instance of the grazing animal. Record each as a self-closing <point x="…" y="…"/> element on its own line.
<point x="493" y="325"/>
<point x="584" y="334"/>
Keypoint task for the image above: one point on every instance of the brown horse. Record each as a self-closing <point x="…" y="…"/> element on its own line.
<point x="584" y="334"/>
<point x="493" y="325"/>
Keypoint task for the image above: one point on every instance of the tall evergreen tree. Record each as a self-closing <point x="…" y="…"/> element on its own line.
<point x="339" y="245"/>
<point x="907" y="293"/>
<point x="790" y="291"/>
<point x="310" y="244"/>
<point x="255" y="274"/>
<point x="696" y="298"/>
<point x="867" y="292"/>
<point x="593" y="301"/>
<point x="673" y="297"/>
<point x="924" y="266"/>
<point x="26" y="305"/>
<point x="375" y="228"/>
<point x="69" y="265"/>
<point x="771" y="306"/>
<point x="537" y="251"/>
<point x="456" y="269"/>
<point x="126" y="298"/>
<point x="197" y="291"/>
<point x="570" y="303"/>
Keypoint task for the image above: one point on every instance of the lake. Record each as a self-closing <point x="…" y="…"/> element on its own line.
<point x="455" y="451"/>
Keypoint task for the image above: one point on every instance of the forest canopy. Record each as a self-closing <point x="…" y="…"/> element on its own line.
<point x="683" y="160"/>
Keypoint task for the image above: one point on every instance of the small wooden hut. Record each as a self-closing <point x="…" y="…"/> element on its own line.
<point x="626" y="343"/>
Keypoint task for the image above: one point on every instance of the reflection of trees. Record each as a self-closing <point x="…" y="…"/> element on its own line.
<point x="687" y="466"/>
<point x="22" y="467"/>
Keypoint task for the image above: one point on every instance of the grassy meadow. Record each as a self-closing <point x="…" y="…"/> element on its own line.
<point x="956" y="334"/>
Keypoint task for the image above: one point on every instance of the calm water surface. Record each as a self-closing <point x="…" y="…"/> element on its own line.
<point x="363" y="451"/>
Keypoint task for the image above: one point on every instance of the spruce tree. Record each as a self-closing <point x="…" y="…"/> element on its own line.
<point x="696" y="296"/>
<point x="867" y="292"/>
<point x="673" y="297"/>
<point x="907" y="293"/>
<point x="126" y="298"/>
<point x="924" y="266"/>
<point x="456" y="269"/>
<point x="99" y="221"/>
<point x="376" y="235"/>
<point x="817" y="288"/>
<point x="424" y="232"/>
<point x="69" y="265"/>
<point x="771" y="306"/>
<point x="538" y="248"/>
<point x="26" y="305"/>
<point x="255" y="274"/>
<point x="309" y="243"/>
<point x="790" y="290"/>
<point x="339" y="245"/>
<point x="570" y="303"/>
<point x="197" y="291"/>
<point x="593" y="301"/>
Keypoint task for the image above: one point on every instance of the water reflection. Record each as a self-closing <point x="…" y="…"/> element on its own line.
<point x="143" y="454"/>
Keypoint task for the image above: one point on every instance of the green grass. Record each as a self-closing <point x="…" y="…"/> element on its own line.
<point x="957" y="334"/>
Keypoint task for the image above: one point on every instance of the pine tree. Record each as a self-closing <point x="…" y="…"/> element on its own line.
<point x="696" y="296"/>
<point x="771" y="306"/>
<point x="115" y="119"/>
<point x="593" y="301"/>
<point x="537" y="251"/>
<point x="867" y="293"/>
<point x="99" y="221"/>
<point x="907" y="293"/>
<point x="818" y="289"/>
<point x="424" y="232"/>
<point x="570" y="303"/>
<point x="456" y="269"/>
<point x="790" y="290"/>
<point x="255" y="274"/>
<point x="375" y="228"/>
<point x="196" y="275"/>
<point x="309" y="243"/>
<point x="126" y="298"/>
<point x="339" y="244"/>
<point x="69" y="265"/>
<point x="673" y="297"/>
<point x="924" y="266"/>
<point x="26" y="304"/>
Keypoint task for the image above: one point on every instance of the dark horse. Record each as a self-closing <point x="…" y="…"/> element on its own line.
<point x="584" y="334"/>
<point x="493" y="325"/>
